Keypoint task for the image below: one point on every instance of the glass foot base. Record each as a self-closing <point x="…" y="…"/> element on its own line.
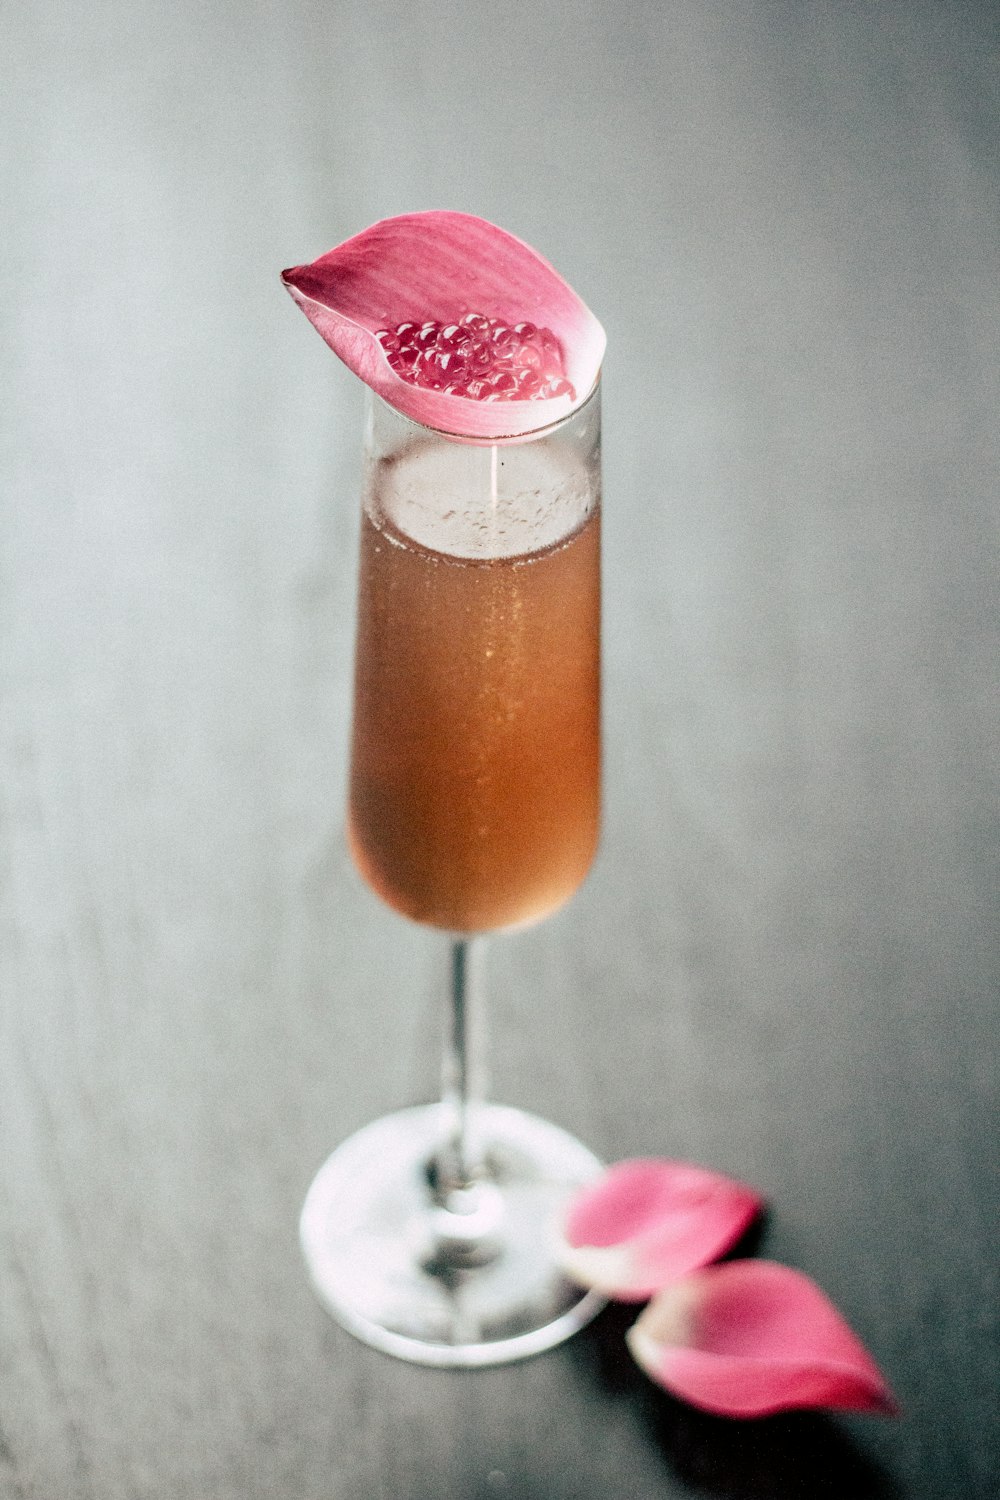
<point x="471" y="1283"/>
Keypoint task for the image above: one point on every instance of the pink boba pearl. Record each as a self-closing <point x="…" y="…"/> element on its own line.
<point x="550" y="346"/>
<point x="454" y="363"/>
<point x="433" y="363"/>
<point x="454" y="336"/>
<point x="560" y="387"/>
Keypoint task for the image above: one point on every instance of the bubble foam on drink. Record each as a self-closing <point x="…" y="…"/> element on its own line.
<point x="483" y="502"/>
<point x="480" y="358"/>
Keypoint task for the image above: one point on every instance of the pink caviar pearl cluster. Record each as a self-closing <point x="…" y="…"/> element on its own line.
<point x="483" y="359"/>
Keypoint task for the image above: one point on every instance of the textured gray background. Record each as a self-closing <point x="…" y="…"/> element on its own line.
<point x="784" y="963"/>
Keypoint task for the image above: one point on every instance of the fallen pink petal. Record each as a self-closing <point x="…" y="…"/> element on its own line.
<point x="749" y="1338"/>
<point x="646" y="1222"/>
<point x="439" y="274"/>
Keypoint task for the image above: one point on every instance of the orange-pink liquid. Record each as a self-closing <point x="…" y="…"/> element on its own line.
<point x="475" y="778"/>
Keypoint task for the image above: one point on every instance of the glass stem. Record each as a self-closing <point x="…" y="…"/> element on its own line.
<point x="458" y="1164"/>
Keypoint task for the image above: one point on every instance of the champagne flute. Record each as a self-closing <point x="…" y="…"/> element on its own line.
<point x="474" y="808"/>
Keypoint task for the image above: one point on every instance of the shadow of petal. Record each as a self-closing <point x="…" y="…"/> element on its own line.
<point x="795" y="1456"/>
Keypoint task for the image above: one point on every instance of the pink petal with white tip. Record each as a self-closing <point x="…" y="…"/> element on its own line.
<point x="645" y="1223"/>
<point x="749" y="1338"/>
<point x="439" y="266"/>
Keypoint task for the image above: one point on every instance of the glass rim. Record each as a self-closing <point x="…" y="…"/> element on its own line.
<point x="474" y="440"/>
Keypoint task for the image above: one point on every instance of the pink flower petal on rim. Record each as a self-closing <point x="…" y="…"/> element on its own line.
<point x="749" y="1338"/>
<point x="441" y="265"/>
<point x="646" y="1222"/>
